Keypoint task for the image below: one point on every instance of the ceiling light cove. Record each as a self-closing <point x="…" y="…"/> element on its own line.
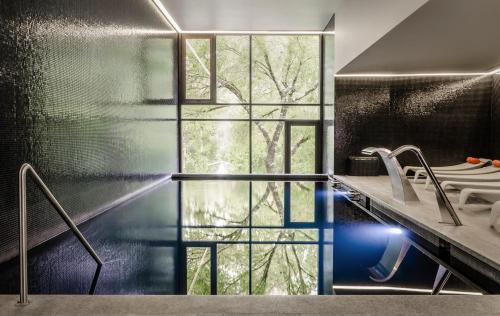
<point x="260" y="32"/>
<point x="487" y="73"/>
<point x="167" y="15"/>
<point x="159" y="5"/>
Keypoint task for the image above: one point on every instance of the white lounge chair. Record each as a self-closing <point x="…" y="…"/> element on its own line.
<point x="462" y="166"/>
<point x="459" y="185"/>
<point x="489" y="195"/>
<point x="495" y="214"/>
<point x="485" y="177"/>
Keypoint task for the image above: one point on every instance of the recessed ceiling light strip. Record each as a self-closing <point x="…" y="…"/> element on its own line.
<point x="177" y="28"/>
<point x="496" y="71"/>
<point x="261" y="32"/>
<point x="167" y="15"/>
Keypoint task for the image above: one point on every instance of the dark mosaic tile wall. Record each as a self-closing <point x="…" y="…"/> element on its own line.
<point x="448" y="117"/>
<point x="495" y="114"/>
<point x="87" y="96"/>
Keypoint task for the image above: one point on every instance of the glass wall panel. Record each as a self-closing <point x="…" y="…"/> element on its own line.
<point x="233" y="69"/>
<point x="283" y="74"/>
<point x="215" y="147"/>
<point x="303" y="149"/>
<point x="268" y="147"/>
<point x="285" y="69"/>
<point x="197" y="72"/>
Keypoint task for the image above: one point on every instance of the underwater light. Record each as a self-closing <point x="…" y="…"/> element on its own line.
<point x="394" y="231"/>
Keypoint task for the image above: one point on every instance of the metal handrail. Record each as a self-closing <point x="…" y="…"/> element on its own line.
<point x="448" y="214"/>
<point x="250" y="176"/>
<point x="23" y="229"/>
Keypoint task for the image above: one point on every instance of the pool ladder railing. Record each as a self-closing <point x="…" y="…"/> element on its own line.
<point x="23" y="228"/>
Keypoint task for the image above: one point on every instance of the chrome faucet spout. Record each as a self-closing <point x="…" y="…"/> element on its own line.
<point x="448" y="214"/>
<point x="401" y="187"/>
<point x="368" y="151"/>
<point x="402" y="149"/>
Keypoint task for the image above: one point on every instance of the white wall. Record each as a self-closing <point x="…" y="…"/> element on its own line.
<point x="441" y="36"/>
<point x="361" y="23"/>
<point x="252" y="15"/>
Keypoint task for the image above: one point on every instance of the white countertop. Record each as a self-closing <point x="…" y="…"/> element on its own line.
<point x="475" y="236"/>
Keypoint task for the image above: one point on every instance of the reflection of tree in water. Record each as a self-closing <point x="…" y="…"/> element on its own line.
<point x="284" y="68"/>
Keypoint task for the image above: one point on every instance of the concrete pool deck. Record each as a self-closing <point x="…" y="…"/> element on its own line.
<point x="388" y="305"/>
<point x="472" y="242"/>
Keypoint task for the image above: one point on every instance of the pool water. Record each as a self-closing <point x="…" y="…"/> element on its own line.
<point x="236" y="238"/>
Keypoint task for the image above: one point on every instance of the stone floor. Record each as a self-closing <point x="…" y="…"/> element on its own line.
<point x="256" y="305"/>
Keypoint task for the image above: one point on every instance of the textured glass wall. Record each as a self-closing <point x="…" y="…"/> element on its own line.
<point x="88" y="96"/>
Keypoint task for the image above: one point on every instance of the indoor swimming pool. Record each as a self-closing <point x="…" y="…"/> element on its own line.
<point x="228" y="237"/>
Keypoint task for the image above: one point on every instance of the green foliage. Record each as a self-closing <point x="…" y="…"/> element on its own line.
<point x="198" y="270"/>
<point x="198" y="69"/>
<point x="285" y="70"/>
<point x="285" y="269"/>
<point x="233" y="69"/>
<point x="215" y="147"/>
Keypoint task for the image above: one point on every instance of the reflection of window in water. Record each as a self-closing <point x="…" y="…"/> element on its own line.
<point x="255" y="250"/>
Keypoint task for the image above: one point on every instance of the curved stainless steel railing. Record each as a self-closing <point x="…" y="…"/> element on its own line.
<point x="23" y="229"/>
<point x="402" y="190"/>
<point x="448" y="214"/>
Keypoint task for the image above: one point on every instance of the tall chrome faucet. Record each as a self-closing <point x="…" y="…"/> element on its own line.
<point x="448" y="214"/>
<point x="401" y="187"/>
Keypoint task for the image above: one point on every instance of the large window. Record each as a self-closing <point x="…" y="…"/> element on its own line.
<point x="241" y="95"/>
